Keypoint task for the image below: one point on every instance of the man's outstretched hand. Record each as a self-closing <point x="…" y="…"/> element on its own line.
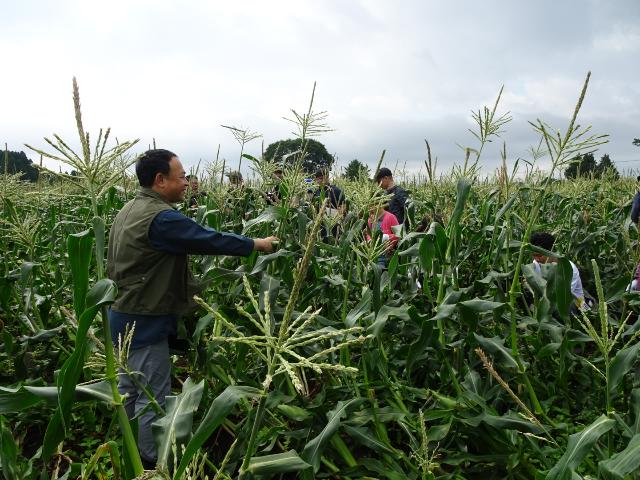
<point x="265" y="244"/>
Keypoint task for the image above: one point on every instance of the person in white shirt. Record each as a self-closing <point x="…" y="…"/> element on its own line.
<point x="546" y="240"/>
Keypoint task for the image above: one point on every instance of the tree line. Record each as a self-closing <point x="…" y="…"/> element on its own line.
<point x="318" y="158"/>
<point x="17" y="162"/>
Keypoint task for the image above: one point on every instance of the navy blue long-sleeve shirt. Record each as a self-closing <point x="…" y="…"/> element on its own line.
<point x="174" y="233"/>
<point x="397" y="202"/>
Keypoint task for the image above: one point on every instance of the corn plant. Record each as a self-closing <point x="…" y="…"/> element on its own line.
<point x="96" y="174"/>
<point x="314" y="361"/>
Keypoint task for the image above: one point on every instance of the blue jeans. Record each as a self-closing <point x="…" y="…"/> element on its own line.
<point x="152" y="368"/>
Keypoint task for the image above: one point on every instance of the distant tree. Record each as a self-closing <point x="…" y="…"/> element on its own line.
<point x="581" y="166"/>
<point x="316" y="156"/>
<point x="356" y="169"/>
<point x="18" y="162"/>
<point x="606" y="167"/>
<point x="636" y="142"/>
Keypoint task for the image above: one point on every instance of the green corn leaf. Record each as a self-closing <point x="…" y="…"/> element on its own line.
<point x="98" y="232"/>
<point x="495" y="345"/>
<point x="478" y="305"/>
<point x="389" y="470"/>
<point x="418" y="347"/>
<point x="272" y="286"/>
<point x="102" y="293"/>
<point x="427" y="252"/>
<point x="271" y="214"/>
<point x="463" y="188"/>
<point x="635" y="404"/>
<point x="562" y="286"/>
<point x="470" y="310"/>
<point x="17" y="399"/>
<point x="22" y="398"/>
<point x="622" y="463"/>
<point x="276" y="464"/>
<point x="110" y="448"/>
<point x="8" y="452"/>
<point x="621" y="364"/>
<point x="505" y="207"/>
<point x="536" y="281"/>
<point x="176" y="426"/>
<point x="363" y="307"/>
<point x="580" y="444"/>
<point x="343" y="450"/>
<point x="79" y="249"/>
<point x="294" y="413"/>
<point x="264" y="261"/>
<point x="440" y="240"/>
<point x="365" y="437"/>
<point x="27" y="271"/>
<point x="509" y="421"/>
<point x="384" y="314"/>
<point x="314" y="448"/>
<point x="218" y="411"/>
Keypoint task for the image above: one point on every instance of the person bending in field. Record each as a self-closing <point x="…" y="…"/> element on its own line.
<point x="397" y="204"/>
<point x="147" y="258"/>
<point x="546" y="240"/>
<point x="381" y="222"/>
<point x="427" y="220"/>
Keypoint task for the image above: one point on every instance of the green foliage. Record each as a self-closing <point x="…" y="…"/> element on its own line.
<point x="356" y="170"/>
<point x="286" y="152"/>
<point x="582" y="166"/>
<point x="586" y="166"/>
<point x="606" y="167"/>
<point x="578" y="447"/>
<point x="17" y="162"/>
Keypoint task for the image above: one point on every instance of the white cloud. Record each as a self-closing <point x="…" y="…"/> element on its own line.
<point x="621" y="38"/>
<point x="388" y="74"/>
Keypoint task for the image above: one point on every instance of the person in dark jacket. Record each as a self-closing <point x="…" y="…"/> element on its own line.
<point x="336" y="204"/>
<point x="635" y="205"/>
<point x="397" y="203"/>
<point x="635" y="215"/>
<point x="147" y="258"/>
<point x="336" y="200"/>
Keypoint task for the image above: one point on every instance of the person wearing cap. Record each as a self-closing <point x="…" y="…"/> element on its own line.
<point x="148" y="259"/>
<point x="235" y="178"/>
<point x="384" y="178"/>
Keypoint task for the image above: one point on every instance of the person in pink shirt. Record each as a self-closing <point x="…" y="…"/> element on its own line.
<point x="381" y="221"/>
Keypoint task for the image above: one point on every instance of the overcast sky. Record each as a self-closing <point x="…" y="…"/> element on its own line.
<point x="389" y="74"/>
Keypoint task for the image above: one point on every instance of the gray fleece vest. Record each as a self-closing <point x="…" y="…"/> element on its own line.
<point x="149" y="282"/>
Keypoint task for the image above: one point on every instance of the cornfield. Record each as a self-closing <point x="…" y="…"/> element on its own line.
<point x="457" y="361"/>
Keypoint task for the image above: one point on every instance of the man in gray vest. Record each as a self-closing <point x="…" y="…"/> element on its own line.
<point x="147" y="259"/>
